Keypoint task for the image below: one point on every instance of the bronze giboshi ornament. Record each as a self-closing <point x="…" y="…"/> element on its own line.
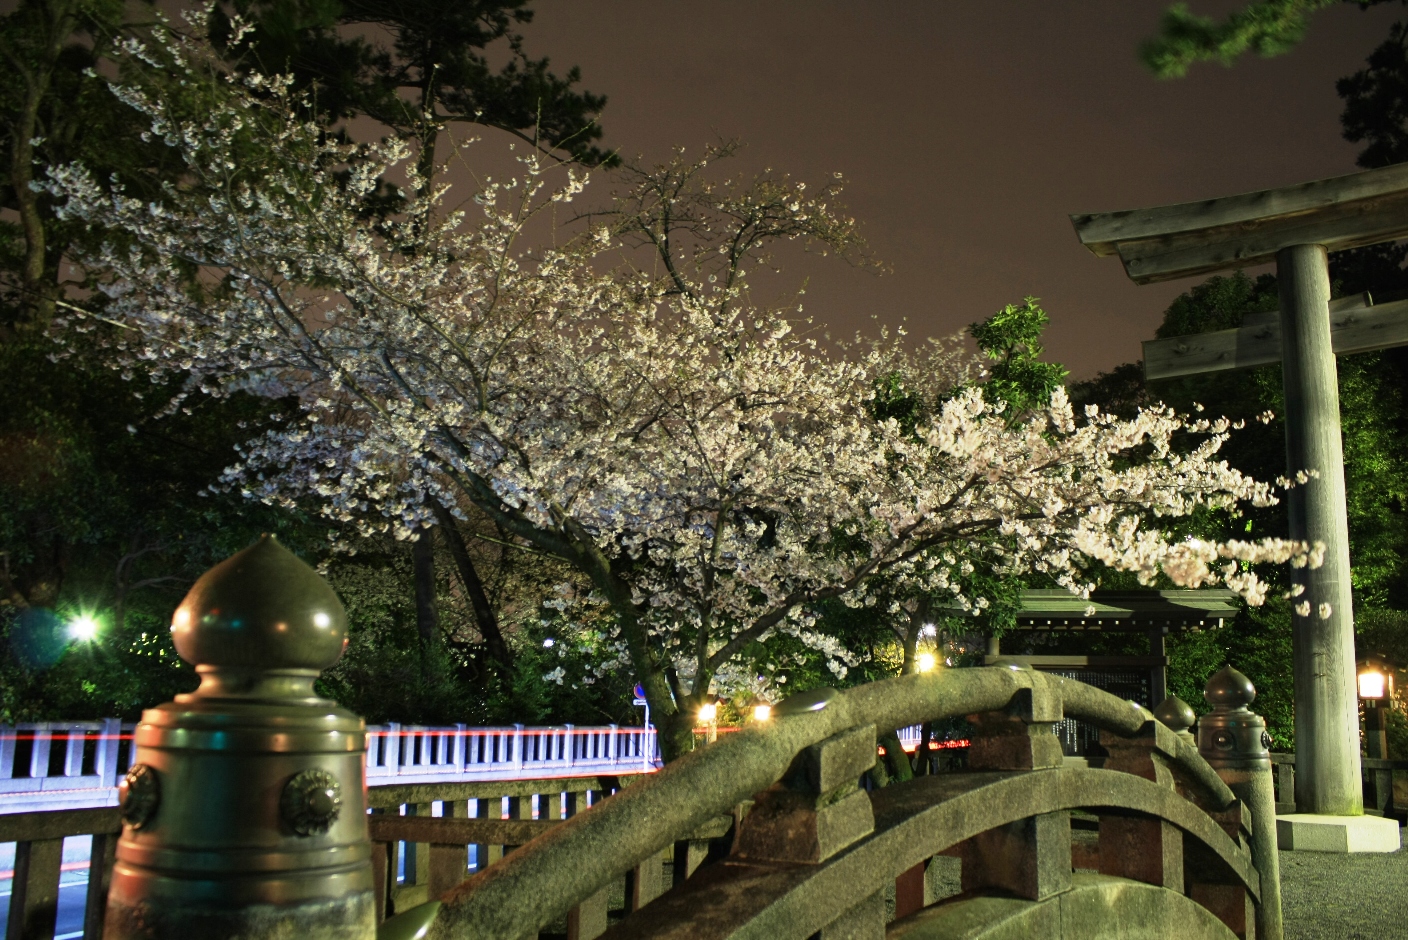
<point x="245" y="812"/>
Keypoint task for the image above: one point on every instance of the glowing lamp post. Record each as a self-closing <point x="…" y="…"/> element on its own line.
<point x="1372" y="686"/>
<point x="926" y="662"/>
<point x="762" y="711"/>
<point x="709" y="714"/>
<point x="1375" y="685"/>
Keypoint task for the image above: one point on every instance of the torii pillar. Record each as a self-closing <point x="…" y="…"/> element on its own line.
<point x="1296" y="227"/>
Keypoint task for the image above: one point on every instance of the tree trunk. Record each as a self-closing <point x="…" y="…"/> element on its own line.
<point x="917" y="620"/>
<point x="427" y="616"/>
<point x="676" y="730"/>
<point x="484" y="616"/>
<point x="37" y="287"/>
<point x="896" y="760"/>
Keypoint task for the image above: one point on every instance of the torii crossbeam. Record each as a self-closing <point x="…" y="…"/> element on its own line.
<point x="1296" y="227"/>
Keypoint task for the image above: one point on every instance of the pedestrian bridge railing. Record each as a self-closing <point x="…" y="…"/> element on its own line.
<point x="418" y="754"/>
<point x="426" y="837"/>
<point x="57" y="765"/>
<point x="769" y="833"/>
<point x="63" y="764"/>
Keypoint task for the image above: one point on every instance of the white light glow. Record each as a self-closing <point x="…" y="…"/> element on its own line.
<point x="1371" y="685"/>
<point x="927" y="662"/>
<point x="84" y="628"/>
<point x="708" y="712"/>
<point x="762" y="712"/>
<point x="548" y="643"/>
<point x="321" y="620"/>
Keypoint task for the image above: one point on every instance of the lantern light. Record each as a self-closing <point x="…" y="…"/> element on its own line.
<point x="927" y="662"/>
<point x="762" y="712"/>
<point x="1371" y="684"/>
<point x="708" y="711"/>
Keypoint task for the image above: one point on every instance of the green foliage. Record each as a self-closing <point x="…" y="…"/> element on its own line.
<point x="894" y="400"/>
<point x="104" y="509"/>
<point x="1373" y="391"/>
<point x="128" y="667"/>
<point x="1258" y="643"/>
<point x="418" y="65"/>
<point x="1397" y="727"/>
<point x="1376" y="102"/>
<point x="1012" y="339"/>
<point x="1383" y="633"/>
<point x="1266" y="27"/>
<point x="1219" y="303"/>
<point x="56" y="108"/>
<point x="389" y="674"/>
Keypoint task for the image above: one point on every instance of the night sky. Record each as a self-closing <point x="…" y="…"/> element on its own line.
<point x="968" y="133"/>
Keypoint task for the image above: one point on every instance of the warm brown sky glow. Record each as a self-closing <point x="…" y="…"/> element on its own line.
<point x="968" y="132"/>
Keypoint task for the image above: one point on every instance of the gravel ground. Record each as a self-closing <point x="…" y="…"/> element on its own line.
<point x="1344" y="897"/>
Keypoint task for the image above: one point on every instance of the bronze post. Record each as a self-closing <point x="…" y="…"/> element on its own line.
<point x="1234" y="742"/>
<point x="244" y="816"/>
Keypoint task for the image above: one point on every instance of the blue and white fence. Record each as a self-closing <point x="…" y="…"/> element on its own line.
<point x="419" y="754"/>
<point x="77" y="764"/>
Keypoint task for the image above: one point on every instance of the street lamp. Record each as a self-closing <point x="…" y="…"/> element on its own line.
<point x="709" y="714"/>
<point x="926" y="662"/>
<point x="1375" y="684"/>
<point x="762" y="712"/>
<point x="1372" y="684"/>
<point x="83" y="628"/>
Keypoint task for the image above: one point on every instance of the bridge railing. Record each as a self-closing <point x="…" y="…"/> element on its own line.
<point x="63" y="764"/>
<point x="427" y="837"/>
<point x="57" y="765"/>
<point x="416" y="753"/>
<point x="810" y="854"/>
<point x="554" y="854"/>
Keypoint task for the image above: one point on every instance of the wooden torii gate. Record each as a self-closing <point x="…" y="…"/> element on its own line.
<point x="1295" y="227"/>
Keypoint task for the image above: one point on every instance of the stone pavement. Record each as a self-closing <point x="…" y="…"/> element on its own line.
<point x="1345" y="897"/>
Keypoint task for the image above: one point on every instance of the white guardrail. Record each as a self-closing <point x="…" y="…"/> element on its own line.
<point x="77" y="764"/>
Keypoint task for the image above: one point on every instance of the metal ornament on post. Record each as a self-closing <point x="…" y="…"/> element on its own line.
<point x="245" y="811"/>
<point x="1178" y="717"/>
<point x="1234" y="741"/>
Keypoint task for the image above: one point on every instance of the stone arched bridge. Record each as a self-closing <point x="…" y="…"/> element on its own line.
<point x="1176" y="853"/>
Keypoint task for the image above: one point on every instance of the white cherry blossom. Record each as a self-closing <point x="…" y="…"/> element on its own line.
<point x="707" y="468"/>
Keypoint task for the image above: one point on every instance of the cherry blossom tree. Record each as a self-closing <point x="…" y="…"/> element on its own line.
<point x="711" y="471"/>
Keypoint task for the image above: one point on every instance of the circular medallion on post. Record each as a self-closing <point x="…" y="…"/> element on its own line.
<point x="138" y="795"/>
<point x="311" y="802"/>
